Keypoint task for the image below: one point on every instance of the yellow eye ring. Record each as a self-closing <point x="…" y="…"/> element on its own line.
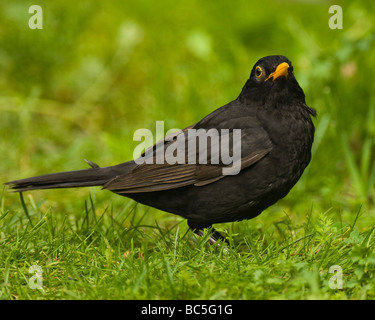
<point x="258" y="72"/>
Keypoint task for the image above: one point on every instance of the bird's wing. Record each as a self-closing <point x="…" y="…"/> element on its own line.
<point x="149" y="177"/>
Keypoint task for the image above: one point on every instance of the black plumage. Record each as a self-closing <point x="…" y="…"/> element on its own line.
<point x="276" y="138"/>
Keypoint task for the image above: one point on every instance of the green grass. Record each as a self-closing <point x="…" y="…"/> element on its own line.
<point x="104" y="253"/>
<point x="79" y="89"/>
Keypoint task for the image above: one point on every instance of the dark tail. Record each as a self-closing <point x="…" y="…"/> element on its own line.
<point x="71" y="179"/>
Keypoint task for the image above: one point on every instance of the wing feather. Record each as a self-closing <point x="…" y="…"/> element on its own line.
<point x="255" y="145"/>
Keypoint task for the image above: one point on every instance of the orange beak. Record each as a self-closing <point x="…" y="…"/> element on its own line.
<point x="281" y="70"/>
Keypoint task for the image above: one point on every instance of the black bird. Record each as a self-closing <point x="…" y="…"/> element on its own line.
<point x="276" y="138"/>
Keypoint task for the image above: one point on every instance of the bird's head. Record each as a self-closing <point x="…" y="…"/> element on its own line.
<point x="272" y="77"/>
<point x="270" y="69"/>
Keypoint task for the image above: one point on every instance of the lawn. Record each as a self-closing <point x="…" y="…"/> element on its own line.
<point x="80" y="87"/>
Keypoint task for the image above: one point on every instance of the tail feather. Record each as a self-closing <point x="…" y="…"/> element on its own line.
<point x="94" y="176"/>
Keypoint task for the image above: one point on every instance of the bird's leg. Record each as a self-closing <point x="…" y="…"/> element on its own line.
<point x="215" y="235"/>
<point x="199" y="232"/>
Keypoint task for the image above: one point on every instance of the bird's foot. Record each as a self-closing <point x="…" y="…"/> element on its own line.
<point x="215" y="236"/>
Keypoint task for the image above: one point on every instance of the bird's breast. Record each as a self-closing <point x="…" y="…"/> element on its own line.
<point x="291" y="134"/>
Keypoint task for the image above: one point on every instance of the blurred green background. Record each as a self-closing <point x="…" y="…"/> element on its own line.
<point x="98" y="71"/>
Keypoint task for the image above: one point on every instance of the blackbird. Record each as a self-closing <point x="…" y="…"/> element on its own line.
<point x="276" y="138"/>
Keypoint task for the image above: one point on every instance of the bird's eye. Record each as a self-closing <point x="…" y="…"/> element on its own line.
<point x="258" y="72"/>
